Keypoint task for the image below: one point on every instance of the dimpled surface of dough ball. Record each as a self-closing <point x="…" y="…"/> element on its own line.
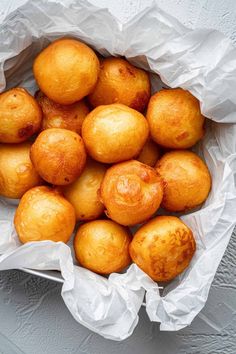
<point x="187" y="180"/>
<point x="131" y="192"/>
<point x="56" y="115"/>
<point x="114" y="133"/>
<point x="17" y="173"/>
<point x="102" y="246"/>
<point x="175" y="119"/>
<point x="58" y="155"/>
<point x="163" y="248"/>
<point x="44" y="214"/>
<point x="20" y="116"/>
<point x="121" y="82"/>
<point x="83" y="193"/>
<point x="66" y="71"/>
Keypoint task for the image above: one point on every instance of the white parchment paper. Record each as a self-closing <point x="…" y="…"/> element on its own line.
<point x="202" y="61"/>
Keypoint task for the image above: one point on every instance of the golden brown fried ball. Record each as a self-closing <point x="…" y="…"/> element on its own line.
<point x="66" y="71"/>
<point x="114" y="133"/>
<point x="83" y="193"/>
<point x="56" y="115"/>
<point x="149" y="154"/>
<point x="175" y="119"/>
<point x="44" y="214"/>
<point x="17" y="174"/>
<point x="131" y="192"/>
<point x="20" y="116"/>
<point x="58" y="155"/>
<point x="102" y="246"/>
<point x="163" y="248"/>
<point x="121" y="82"/>
<point x="187" y="180"/>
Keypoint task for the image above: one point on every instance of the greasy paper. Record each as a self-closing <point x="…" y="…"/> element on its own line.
<point x="201" y="61"/>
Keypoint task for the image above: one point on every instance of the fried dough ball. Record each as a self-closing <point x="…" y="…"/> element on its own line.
<point x="44" y="214"/>
<point x="131" y="192"/>
<point x="114" y="133"/>
<point x="17" y="174"/>
<point x="56" y="115"/>
<point x="58" y="155"/>
<point x="163" y="248"/>
<point x="175" y="119"/>
<point x="66" y="71"/>
<point x="121" y="82"/>
<point x="20" y="116"/>
<point x="149" y="154"/>
<point x="187" y="180"/>
<point x="83" y="193"/>
<point x="102" y="246"/>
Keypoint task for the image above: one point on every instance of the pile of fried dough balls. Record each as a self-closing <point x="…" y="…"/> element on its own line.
<point x="82" y="147"/>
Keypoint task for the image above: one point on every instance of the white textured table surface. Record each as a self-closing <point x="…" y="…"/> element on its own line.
<point x="33" y="318"/>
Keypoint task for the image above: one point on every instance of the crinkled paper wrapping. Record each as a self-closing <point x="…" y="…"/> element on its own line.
<point x="202" y="61"/>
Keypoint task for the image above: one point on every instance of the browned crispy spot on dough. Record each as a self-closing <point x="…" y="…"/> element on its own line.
<point x="126" y="71"/>
<point x="130" y="71"/>
<point x="140" y="101"/>
<point x="26" y="132"/>
<point x="182" y="136"/>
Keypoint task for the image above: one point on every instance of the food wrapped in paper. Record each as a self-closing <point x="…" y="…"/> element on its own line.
<point x="201" y="61"/>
